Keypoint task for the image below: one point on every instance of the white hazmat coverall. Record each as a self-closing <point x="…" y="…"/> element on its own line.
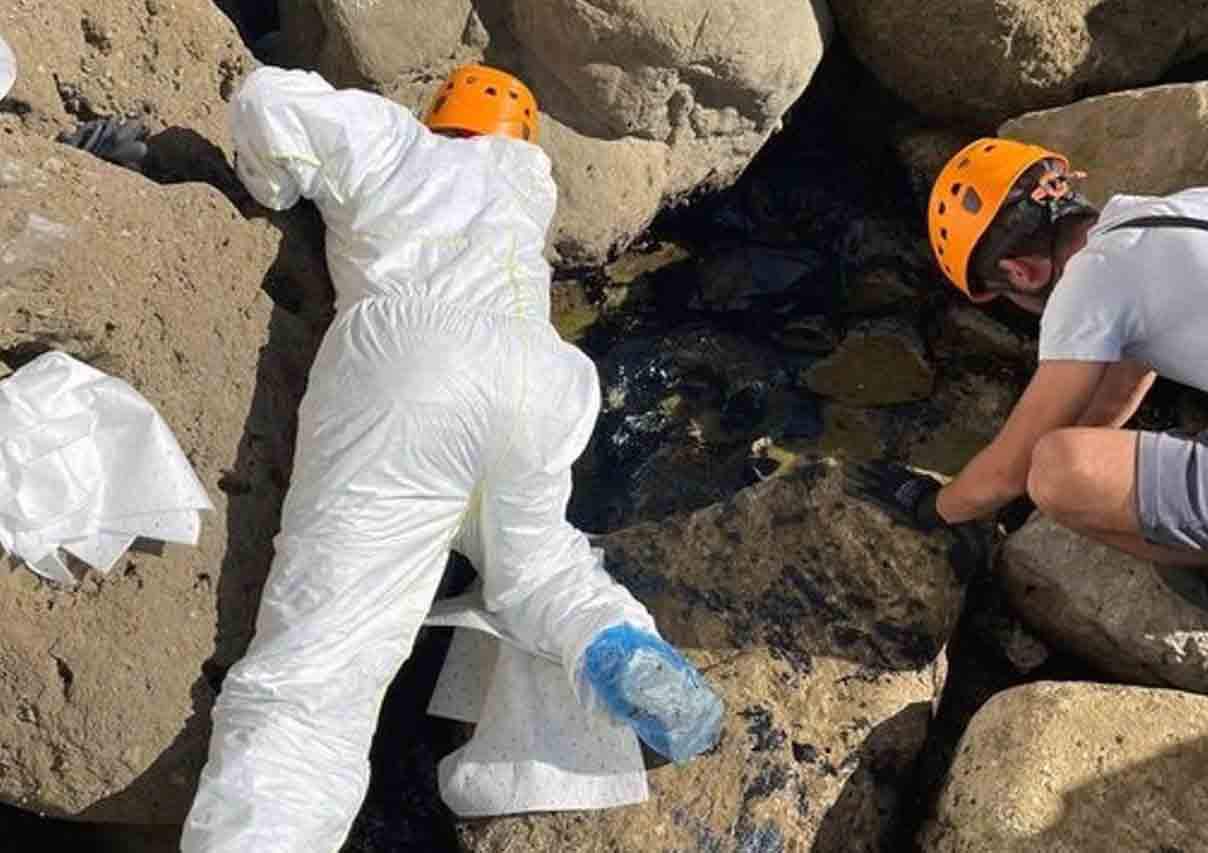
<point x="442" y="407"/>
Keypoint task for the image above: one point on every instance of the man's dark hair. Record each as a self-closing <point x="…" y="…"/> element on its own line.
<point x="1021" y="228"/>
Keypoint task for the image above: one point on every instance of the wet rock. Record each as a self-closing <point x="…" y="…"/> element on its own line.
<point x="110" y="684"/>
<point x="1072" y="767"/>
<point x="571" y="309"/>
<point x="765" y="279"/>
<point x="878" y="363"/>
<point x="924" y="151"/>
<point x="884" y="261"/>
<point x="969" y="331"/>
<point x="967" y="409"/>
<point x="745" y="408"/>
<point x="814" y="334"/>
<point x="829" y="659"/>
<point x="1141" y="623"/>
<point x="1100" y="136"/>
<point x="984" y="60"/>
<point x="639" y="262"/>
<point x="679" y="413"/>
<point x="643" y="103"/>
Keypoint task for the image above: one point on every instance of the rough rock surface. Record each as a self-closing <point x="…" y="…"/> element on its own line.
<point x="643" y="102"/>
<point x="109" y="685"/>
<point x="823" y="626"/>
<point x="1145" y="141"/>
<point x="878" y="363"/>
<point x="170" y="62"/>
<point x="1071" y="767"/>
<point x="1139" y="622"/>
<point x="982" y="61"/>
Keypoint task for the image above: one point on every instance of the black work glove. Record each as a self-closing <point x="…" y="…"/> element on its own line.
<point x="910" y="498"/>
<point x="907" y="497"/>
<point x="1015" y="514"/>
<point x="119" y="141"/>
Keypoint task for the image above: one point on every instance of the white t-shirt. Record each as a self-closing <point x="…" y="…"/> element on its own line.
<point x="1136" y="293"/>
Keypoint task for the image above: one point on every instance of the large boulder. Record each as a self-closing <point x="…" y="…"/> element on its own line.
<point x="1142" y="623"/>
<point x="823" y="624"/>
<point x="643" y="102"/>
<point x="169" y="62"/>
<point x="1144" y="141"/>
<point x="981" y="61"/>
<point x="108" y="686"/>
<point x="1067" y="768"/>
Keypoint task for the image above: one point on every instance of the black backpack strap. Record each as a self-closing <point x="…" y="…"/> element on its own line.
<point x="1162" y="222"/>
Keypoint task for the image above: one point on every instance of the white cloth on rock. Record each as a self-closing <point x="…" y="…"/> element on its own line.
<point x="443" y="410"/>
<point x="8" y="68"/>
<point x="87" y="465"/>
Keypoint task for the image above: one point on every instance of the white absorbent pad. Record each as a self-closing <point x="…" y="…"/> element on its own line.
<point x="8" y="67"/>
<point x="87" y="465"/>
<point x="535" y="748"/>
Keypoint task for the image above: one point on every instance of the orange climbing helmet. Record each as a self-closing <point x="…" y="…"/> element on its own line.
<point x="973" y="188"/>
<point x="477" y="99"/>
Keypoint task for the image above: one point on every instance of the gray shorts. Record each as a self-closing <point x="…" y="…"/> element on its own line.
<point x="1172" y="488"/>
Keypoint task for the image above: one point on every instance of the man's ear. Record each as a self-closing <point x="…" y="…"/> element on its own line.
<point x="1016" y="271"/>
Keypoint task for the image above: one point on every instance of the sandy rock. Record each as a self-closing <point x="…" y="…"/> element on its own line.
<point x="829" y="660"/>
<point x="1072" y="767"/>
<point x="1141" y="623"/>
<point x="878" y="363"/>
<point x="170" y="62"/>
<point x="1145" y="141"/>
<point x="643" y="102"/>
<point x="980" y="61"/>
<point x="110" y="684"/>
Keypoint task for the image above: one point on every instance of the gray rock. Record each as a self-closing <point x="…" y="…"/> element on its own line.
<point x="1072" y="767"/>
<point x="109" y="685"/>
<point x="642" y="102"/>
<point x="829" y="660"/>
<point x="979" y="62"/>
<point x="1145" y="141"/>
<point x="1139" y="622"/>
<point x="172" y="66"/>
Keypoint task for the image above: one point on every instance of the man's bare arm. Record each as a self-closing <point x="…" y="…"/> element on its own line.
<point x="1058" y="396"/>
<point x="1120" y="392"/>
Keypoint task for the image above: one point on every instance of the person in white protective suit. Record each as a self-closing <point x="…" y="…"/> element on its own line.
<point x="443" y="411"/>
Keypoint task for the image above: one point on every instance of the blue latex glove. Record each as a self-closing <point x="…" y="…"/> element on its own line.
<point x="644" y="682"/>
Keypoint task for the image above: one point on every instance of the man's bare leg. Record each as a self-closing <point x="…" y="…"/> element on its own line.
<point x="1085" y="479"/>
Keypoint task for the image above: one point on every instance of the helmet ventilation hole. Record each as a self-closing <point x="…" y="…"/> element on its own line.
<point x="944" y="233"/>
<point x="513" y="94"/>
<point x="972" y="201"/>
<point x="943" y="208"/>
<point x="963" y="163"/>
<point x="492" y="91"/>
